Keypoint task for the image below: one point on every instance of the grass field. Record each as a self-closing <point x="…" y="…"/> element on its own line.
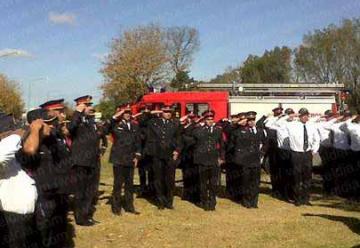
<point x="330" y="222"/>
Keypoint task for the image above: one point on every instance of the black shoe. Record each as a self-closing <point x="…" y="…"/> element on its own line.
<point x="85" y="223"/>
<point x="211" y="208"/>
<point x="116" y="212"/>
<point x="297" y="204"/>
<point x="308" y="204"/>
<point x="94" y="221"/>
<point x="133" y="211"/>
<point x="169" y="207"/>
<point x="161" y="207"/>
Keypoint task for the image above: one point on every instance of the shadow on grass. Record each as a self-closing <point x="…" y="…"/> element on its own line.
<point x="352" y="223"/>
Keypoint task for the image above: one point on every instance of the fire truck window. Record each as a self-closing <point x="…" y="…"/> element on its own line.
<point x="177" y="110"/>
<point x="197" y="108"/>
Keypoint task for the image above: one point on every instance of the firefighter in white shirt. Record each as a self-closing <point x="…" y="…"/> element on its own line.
<point x="352" y="181"/>
<point x="18" y="193"/>
<point x="272" y="150"/>
<point x="340" y="162"/>
<point x="283" y="153"/>
<point x="304" y="141"/>
<point x="326" y="150"/>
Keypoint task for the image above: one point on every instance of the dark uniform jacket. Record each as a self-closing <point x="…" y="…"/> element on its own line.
<point x="45" y="166"/>
<point x="208" y="146"/>
<point x="163" y="138"/>
<point x="85" y="146"/>
<point x="127" y="143"/>
<point x="245" y="146"/>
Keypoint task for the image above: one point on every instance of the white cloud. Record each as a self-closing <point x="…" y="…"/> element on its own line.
<point x="62" y="18"/>
<point x="14" y="53"/>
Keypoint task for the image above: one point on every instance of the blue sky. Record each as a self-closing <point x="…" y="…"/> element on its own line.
<point x="59" y="42"/>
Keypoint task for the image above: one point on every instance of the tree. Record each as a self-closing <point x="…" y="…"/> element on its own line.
<point x="272" y="67"/>
<point x="138" y="59"/>
<point x="10" y="97"/>
<point x="182" y="81"/>
<point x="230" y="75"/>
<point x="332" y="55"/>
<point x="181" y="44"/>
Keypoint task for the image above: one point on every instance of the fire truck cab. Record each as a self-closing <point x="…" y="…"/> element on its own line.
<point x="189" y="101"/>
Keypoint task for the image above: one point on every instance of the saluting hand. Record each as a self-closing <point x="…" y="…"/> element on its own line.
<point x="220" y="161"/>
<point x="36" y="125"/>
<point x="80" y="108"/>
<point x="118" y="114"/>
<point x="175" y="155"/>
<point x="136" y="162"/>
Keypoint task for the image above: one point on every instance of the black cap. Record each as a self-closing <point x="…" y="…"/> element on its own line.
<point x="289" y="111"/>
<point x="87" y="99"/>
<point x="328" y="113"/>
<point x="251" y="115"/>
<point x="53" y="104"/>
<point x="208" y="113"/>
<point x="242" y="115"/>
<point x="348" y="113"/>
<point x="7" y="123"/>
<point x="303" y="111"/>
<point x="234" y="116"/>
<point x="42" y="114"/>
<point x="277" y="109"/>
<point x="166" y="107"/>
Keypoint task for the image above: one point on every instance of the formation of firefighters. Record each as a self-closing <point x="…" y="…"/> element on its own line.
<point x="56" y="157"/>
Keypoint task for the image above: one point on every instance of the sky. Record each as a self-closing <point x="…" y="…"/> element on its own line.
<point x="54" y="48"/>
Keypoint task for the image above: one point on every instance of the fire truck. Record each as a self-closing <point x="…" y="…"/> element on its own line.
<point x="226" y="99"/>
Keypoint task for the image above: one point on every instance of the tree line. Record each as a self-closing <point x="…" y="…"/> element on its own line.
<point x="149" y="56"/>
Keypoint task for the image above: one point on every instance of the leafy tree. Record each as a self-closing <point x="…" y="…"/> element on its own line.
<point x="182" y="81"/>
<point x="10" y="97"/>
<point x="137" y="60"/>
<point x="272" y="67"/>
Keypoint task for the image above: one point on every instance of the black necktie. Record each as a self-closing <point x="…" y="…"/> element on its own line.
<point x="306" y="141"/>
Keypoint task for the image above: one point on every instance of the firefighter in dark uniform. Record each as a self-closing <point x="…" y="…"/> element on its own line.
<point x="247" y="145"/>
<point x="164" y="145"/>
<point x="228" y="128"/>
<point x="146" y="175"/>
<point x="275" y="173"/>
<point x="125" y="155"/>
<point x="102" y="146"/>
<point x="209" y="155"/>
<point x="39" y="156"/>
<point x="235" y="138"/>
<point x="189" y="169"/>
<point x="85" y="158"/>
<point x="63" y="161"/>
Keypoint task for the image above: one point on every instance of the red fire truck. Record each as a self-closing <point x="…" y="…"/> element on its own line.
<point x="188" y="101"/>
<point x="228" y="99"/>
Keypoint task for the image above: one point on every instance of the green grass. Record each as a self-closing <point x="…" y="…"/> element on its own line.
<point x="331" y="222"/>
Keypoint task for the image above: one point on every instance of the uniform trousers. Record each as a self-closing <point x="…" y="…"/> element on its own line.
<point x="301" y="176"/>
<point x="84" y="192"/>
<point x="249" y="186"/>
<point x="123" y="175"/>
<point x="164" y="181"/>
<point x="285" y="172"/>
<point x="208" y="178"/>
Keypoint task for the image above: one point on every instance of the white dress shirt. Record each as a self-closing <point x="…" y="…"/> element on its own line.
<point x="295" y="131"/>
<point x="324" y="128"/>
<point x="18" y="192"/>
<point x="341" y="139"/>
<point x="282" y="135"/>
<point x="353" y="130"/>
